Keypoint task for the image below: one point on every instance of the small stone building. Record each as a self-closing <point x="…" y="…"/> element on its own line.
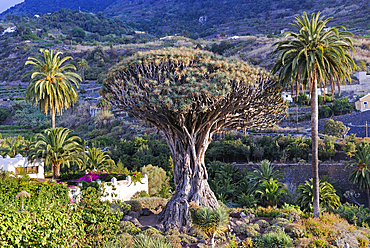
<point x="363" y="104"/>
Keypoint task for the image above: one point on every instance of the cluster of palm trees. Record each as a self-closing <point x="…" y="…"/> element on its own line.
<point x="58" y="147"/>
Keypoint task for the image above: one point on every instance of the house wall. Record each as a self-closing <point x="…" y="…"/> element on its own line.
<point x="360" y="103"/>
<point x="10" y="164"/>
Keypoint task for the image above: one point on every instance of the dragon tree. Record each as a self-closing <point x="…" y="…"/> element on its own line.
<point x="190" y="95"/>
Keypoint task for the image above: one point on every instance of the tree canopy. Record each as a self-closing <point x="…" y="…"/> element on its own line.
<point x="191" y="89"/>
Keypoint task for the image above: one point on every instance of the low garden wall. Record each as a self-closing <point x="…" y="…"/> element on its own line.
<point x="116" y="190"/>
<point x="19" y="165"/>
<point x="296" y="174"/>
<point x="124" y="189"/>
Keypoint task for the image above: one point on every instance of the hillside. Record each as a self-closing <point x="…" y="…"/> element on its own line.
<point x="208" y="17"/>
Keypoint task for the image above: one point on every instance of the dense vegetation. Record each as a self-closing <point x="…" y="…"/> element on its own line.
<point x="204" y="18"/>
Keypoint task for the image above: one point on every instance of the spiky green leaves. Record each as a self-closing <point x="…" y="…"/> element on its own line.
<point x="175" y="79"/>
<point x="194" y="90"/>
<point x="51" y="81"/>
<point x="314" y="53"/>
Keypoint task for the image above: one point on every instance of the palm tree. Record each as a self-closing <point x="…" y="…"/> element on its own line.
<point x="313" y="57"/>
<point x="50" y="84"/>
<point x="57" y="147"/>
<point x="14" y="145"/>
<point x="97" y="159"/>
<point x="83" y="65"/>
<point x="360" y="175"/>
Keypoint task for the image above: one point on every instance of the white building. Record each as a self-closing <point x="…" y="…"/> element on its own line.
<point x="287" y="97"/>
<point x="9" y="30"/>
<point x="20" y="164"/>
<point x="362" y="77"/>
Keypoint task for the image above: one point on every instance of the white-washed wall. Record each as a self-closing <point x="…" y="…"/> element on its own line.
<point x="125" y="189"/>
<point x="10" y="164"/>
<point x="116" y="190"/>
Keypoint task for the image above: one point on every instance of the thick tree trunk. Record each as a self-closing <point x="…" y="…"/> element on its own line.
<point x="52" y="114"/>
<point x="191" y="179"/>
<point x="56" y="171"/>
<point x="315" y="149"/>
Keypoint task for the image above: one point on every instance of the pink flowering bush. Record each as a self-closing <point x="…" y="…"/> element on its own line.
<point x="106" y="177"/>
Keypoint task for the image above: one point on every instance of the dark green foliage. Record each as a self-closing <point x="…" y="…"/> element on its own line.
<point x="325" y="111"/>
<point x="335" y="128"/>
<point x="54" y="223"/>
<point x="356" y="215"/>
<point x="229" y="183"/>
<point x="341" y="106"/>
<point x="148" y="149"/>
<point x="274" y="240"/>
<point x="329" y="199"/>
<point x="302" y="99"/>
<point x="4" y="113"/>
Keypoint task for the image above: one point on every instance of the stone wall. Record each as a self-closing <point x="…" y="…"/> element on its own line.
<point x="299" y="173"/>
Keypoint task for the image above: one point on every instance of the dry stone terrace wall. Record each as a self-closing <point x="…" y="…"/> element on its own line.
<point x="299" y="173"/>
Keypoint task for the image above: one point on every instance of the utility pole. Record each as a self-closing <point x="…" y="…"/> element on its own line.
<point x="366" y="128"/>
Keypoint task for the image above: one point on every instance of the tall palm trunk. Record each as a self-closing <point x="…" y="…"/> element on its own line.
<point x="52" y="114"/>
<point x="315" y="148"/>
<point x="56" y="171"/>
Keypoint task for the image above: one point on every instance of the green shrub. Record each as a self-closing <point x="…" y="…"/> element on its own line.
<point x="335" y="128"/>
<point x="294" y="230"/>
<point x="359" y="216"/>
<point x="249" y="230"/>
<point x="128" y="227"/>
<point x="141" y="194"/>
<point x="279" y="222"/>
<point x="267" y="212"/>
<point x="147" y="202"/>
<point x="146" y="241"/>
<point x="51" y="225"/>
<point x="157" y="178"/>
<point x="71" y="175"/>
<point x="328" y="197"/>
<point x="262" y="223"/>
<point x="275" y="240"/>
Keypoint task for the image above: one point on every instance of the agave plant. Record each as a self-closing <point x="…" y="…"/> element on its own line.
<point x="210" y="221"/>
<point x="147" y="241"/>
